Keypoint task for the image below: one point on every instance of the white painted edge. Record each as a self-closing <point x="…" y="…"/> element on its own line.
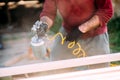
<point x="111" y="73"/>
<point x="38" y="67"/>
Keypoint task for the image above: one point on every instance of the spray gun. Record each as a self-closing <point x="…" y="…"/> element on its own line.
<point x="37" y="42"/>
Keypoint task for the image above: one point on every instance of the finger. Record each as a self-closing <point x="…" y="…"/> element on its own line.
<point x="83" y="29"/>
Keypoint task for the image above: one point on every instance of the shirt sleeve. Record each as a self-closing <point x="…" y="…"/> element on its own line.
<point x="104" y="10"/>
<point x="49" y="9"/>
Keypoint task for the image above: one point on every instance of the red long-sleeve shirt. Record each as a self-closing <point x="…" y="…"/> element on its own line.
<point x="76" y="12"/>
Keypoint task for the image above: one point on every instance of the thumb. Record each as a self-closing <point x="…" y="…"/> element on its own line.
<point x="82" y="28"/>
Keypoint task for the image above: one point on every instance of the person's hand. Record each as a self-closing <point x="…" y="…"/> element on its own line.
<point x="89" y="25"/>
<point x="74" y="35"/>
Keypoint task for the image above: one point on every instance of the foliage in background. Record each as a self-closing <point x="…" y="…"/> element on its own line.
<point x="114" y="34"/>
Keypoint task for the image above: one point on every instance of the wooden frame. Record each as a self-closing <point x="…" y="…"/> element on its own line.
<point x="111" y="73"/>
<point x="38" y="67"/>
